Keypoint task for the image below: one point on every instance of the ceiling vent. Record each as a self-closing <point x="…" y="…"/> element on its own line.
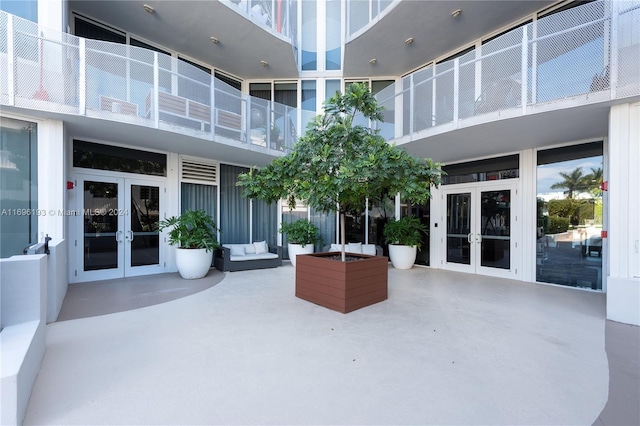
<point x="198" y="171"/>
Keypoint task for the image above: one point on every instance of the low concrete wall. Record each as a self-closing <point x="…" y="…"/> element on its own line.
<point x="623" y="300"/>
<point x="23" y="305"/>
<point x="58" y="281"/>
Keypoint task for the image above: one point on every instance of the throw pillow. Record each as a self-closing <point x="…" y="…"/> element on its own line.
<point x="369" y="249"/>
<point x="237" y="251"/>
<point x="261" y="247"/>
<point x="335" y="247"/>
<point x="354" y="248"/>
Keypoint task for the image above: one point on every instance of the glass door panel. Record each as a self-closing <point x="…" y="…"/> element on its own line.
<point x="144" y="235"/>
<point x="101" y="230"/>
<point x="459" y="228"/>
<point x="495" y="222"/>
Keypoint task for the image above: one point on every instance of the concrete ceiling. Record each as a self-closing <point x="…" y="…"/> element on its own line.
<point x="433" y="29"/>
<point x="187" y="27"/>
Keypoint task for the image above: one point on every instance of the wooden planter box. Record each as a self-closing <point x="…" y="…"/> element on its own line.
<point x="341" y="286"/>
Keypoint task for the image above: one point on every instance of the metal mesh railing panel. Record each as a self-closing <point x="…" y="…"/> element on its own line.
<point x="388" y="100"/>
<point x="4" y="58"/>
<point x="106" y="76"/>
<point x="27" y="53"/>
<point x="467" y="85"/>
<point x="421" y="97"/>
<point x="629" y="47"/>
<point x="444" y="93"/>
<point x="572" y="53"/>
<point x="501" y="63"/>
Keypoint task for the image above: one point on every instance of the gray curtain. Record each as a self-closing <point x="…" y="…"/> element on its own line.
<point x="199" y="197"/>
<point x="234" y="208"/>
<point x="265" y="222"/>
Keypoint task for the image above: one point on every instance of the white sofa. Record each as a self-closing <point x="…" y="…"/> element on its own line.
<point x="242" y="257"/>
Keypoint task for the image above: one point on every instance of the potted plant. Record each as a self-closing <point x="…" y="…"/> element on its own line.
<point x="302" y="236"/>
<point x="404" y="237"/>
<point x="194" y="235"/>
<point x="338" y="165"/>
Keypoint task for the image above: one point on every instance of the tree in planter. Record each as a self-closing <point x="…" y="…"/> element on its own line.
<point x="337" y="165"/>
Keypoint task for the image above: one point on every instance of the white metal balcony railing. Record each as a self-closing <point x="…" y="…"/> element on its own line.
<point x="588" y="54"/>
<point x="58" y="72"/>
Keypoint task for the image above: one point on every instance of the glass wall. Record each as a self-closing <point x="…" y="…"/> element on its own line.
<point x="19" y="185"/>
<point x="309" y="28"/>
<point x="422" y="212"/>
<point x="570" y="216"/>
<point x="333" y="56"/>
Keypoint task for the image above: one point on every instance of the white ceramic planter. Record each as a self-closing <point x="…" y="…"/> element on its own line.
<point x="402" y="257"/>
<point x="193" y="263"/>
<point x="296" y="249"/>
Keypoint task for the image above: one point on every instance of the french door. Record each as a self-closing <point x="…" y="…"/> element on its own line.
<point x="116" y="227"/>
<point x="479" y="229"/>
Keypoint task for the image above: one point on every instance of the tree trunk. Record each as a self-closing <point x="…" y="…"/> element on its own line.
<point x="343" y="232"/>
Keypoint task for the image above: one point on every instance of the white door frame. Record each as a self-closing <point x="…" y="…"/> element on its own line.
<point x="474" y="236"/>
<point x="124" y="234"/>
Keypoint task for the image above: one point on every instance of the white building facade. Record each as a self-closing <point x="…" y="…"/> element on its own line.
<point x="116" y="115"/>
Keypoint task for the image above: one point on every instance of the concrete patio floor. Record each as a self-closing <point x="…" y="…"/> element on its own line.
<point x="445" y="348"/>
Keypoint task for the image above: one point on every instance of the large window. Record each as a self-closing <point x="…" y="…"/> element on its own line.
<point x="19" y="186"/>
<point x="569" y="210"/>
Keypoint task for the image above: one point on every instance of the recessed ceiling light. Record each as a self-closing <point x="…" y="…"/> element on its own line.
<point x="264" y="63"/>
<point x="456" y="13"/>
<point x="373" y="61"/>
<point x="408" y="41"/>
<point x="214" y="40"/>
<point x="148" y="8"/>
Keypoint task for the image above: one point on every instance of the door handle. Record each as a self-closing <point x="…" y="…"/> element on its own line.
<point x="130" y="235"/>
<point x="117" y="235"/>
<point x="469" y="238"/>
<point x="478" y="238"/>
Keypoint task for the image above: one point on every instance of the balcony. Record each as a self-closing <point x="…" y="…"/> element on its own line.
<point x="58" y="73"/>
<point x="584" y="58"/>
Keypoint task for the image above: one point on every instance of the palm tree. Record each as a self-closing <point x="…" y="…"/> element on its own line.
<point x="595" y="177"/>
<point x="573" y="181"/>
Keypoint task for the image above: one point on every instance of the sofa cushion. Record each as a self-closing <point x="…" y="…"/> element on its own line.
<point x="247" y="257"/>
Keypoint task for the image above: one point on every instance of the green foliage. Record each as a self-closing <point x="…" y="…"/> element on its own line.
<point x="337" y="163"/>
<point x="407" y="231"/>
<point x="301" y="232"/>
<point x="564" y="208"/>
<point x="556" y="225"/>
<point x="194" y="229"/>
